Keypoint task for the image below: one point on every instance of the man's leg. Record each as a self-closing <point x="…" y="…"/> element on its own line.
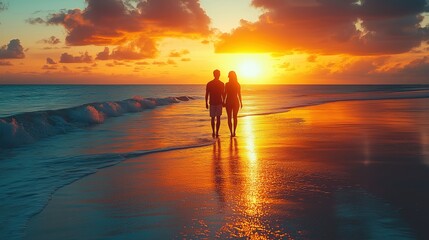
<point x="217" y="125"/>
<point x="213" y="126"/>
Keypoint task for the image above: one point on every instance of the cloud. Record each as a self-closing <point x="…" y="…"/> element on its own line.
<point x="5" y="63"/>
<point x="51" y="40"/>
<point x="3" y="6"/>
<point x="104" y="55"/>
<point x="139" y="49"/>
<point x="414" y="71"/>
<point x="185" y="59"/>
<point x="13" y="50"/>
<point x="68" y="58"/>
<point x="49" y="67"/>
<point x="368" y="70"/>
<point x="50" y="61"/>
<point x="330" y="27"/>
<point x="126" y="23"/>
<point x="178" y="54"/>
<point x="159" y="63"/>
<point x="117" y="63"/>
<point x="312" y="58"/>
<point x="142" y="63"/>
<point x="85" y="69"/>
<point x="37" y="20"/>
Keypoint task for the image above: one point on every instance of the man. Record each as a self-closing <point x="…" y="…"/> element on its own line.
<point x="215" y="89"/>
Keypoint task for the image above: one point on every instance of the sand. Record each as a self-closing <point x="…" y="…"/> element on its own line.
<point x="345" y="170"/>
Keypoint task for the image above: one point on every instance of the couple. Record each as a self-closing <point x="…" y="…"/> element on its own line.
<point x="228" y="95"/>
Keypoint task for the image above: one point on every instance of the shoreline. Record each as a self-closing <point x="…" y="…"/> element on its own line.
<point x="246" y="176"/>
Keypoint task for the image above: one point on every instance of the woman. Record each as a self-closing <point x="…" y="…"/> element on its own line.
<point x="232" y="100"/>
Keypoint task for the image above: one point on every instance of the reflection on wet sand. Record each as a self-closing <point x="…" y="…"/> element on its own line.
<point x="247" y="197"/>
<point x="218" y="173"/>
<point x="342" y="172"/>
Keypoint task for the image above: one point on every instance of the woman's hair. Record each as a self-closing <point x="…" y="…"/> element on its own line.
<point x="232" y="77"/>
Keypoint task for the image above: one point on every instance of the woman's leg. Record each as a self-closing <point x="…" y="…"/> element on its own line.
<point x="229" y="113"/>
<point x="235" y="113"/>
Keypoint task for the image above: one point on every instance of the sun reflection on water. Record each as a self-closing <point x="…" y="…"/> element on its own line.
<point x="252" y="190"/>
<point x="251" y="219"/>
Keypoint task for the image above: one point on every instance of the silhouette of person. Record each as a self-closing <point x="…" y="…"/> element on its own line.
<point x="215" y="89"/>
<point x="232" y="100"/>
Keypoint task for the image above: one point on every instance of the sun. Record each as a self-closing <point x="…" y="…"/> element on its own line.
<point x="249" y="69"/>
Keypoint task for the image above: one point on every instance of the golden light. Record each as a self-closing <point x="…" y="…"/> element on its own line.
<point x="249" y="68"/>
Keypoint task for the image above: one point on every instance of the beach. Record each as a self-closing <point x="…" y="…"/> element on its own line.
<point x="110" y="113"/>
<point x="340" y="170"/>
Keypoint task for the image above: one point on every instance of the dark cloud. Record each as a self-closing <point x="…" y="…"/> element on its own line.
<point x="184" y="16"/>
<point x="178" y="54"/>
<point x="50" y="61"/>
<point x="68" y="58"/>
<point x="104" y="55"/>
<point x="36" y="20"/>
<point x="5" y="63"/>
<point x="125" y="23"/>
<point x="331" y="27"/>
<point x="13" y="50"/>
<point x="51" y="40"/>
<point x="185" y="59"/>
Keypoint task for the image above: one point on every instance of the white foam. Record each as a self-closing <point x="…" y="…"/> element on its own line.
<point x="29" y="127"/>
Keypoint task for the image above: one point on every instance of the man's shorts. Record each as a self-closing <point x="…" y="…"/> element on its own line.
<point x="215" y="110"/>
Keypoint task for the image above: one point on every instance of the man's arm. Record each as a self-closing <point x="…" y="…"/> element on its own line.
<point x="223" y="95"/>
<point x="207" y="96"/>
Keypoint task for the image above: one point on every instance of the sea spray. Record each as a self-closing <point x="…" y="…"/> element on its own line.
<point x="28" y="127"/>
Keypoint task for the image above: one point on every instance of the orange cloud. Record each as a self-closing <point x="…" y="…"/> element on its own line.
<point x="370" y="70"/>
<point x="366" y="27"/>
<point x="5" y="63"/>
<point x="119" y="22"/>
<point x="178" y="54"/>
<point x="138" y="49"/>
<point x="68" y="58"/>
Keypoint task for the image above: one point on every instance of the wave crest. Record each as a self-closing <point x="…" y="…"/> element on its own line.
<point x="28" y="127"/>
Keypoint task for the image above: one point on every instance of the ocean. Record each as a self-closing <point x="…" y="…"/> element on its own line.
<point x="53" y="135"/>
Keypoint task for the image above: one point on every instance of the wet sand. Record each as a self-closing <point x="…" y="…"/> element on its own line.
<point x="345" y="170"/>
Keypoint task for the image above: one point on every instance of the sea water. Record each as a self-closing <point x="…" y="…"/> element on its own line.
<point x="53" y="135"/>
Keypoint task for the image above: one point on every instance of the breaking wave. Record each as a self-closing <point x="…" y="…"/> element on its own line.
<point x="28" y="127"/>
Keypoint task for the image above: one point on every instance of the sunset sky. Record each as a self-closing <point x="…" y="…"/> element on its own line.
<point x="182" y="41"/>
